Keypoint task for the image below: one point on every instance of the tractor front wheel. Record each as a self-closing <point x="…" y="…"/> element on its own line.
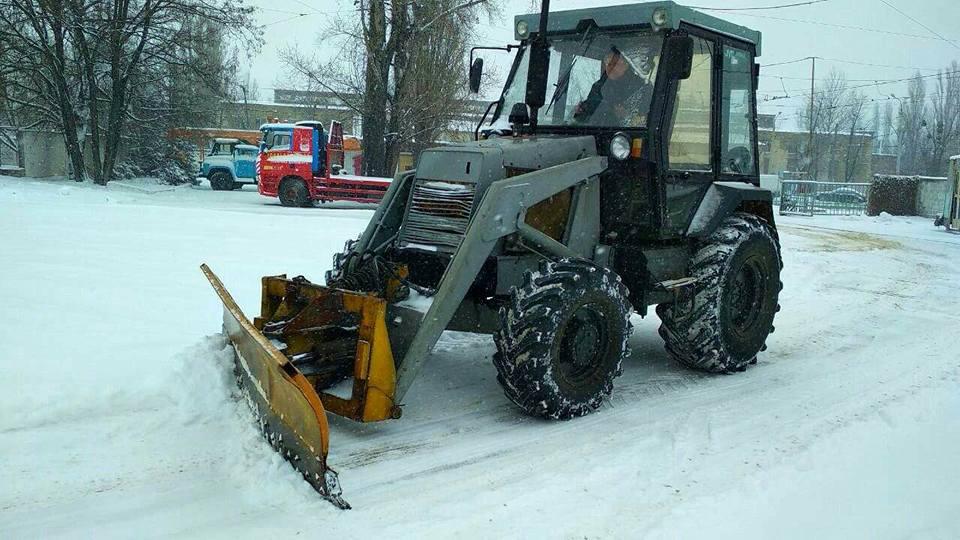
<point x="562" y="339"/>
<point x="293" y="192"/>
<point x="736" y="298"/>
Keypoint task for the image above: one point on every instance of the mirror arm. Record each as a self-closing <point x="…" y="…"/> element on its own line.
<point x="508" y="48"/>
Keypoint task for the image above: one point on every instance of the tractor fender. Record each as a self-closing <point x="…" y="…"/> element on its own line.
<point x="723" y="199"/>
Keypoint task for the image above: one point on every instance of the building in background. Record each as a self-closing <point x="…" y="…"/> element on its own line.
<point x="843" y="157"/>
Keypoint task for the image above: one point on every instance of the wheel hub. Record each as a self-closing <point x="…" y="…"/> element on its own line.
<point x="583" y="344"/>
<point x="747" y="296"/>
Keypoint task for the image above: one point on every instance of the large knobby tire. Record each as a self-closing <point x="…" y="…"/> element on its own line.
<point x="563" y="338"/>
<point x="736" y="298"/>
<point x="293" y="192"/>
<point x="221" y="181"/>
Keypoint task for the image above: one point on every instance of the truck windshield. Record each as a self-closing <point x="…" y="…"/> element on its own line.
<point x="599" y="79"/>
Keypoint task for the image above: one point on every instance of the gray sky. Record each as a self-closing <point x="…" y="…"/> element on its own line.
<point x="786" y="37"/>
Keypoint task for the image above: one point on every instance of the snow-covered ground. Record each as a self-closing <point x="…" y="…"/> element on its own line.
<point x="119" y="418"/>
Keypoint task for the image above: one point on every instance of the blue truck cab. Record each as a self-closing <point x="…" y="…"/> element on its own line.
<point x="230" y="164"/>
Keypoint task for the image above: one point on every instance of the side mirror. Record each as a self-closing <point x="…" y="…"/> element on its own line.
<point x="677" y="57"/>
<point x="476" y="72"/>
<point x="537" y="73"/>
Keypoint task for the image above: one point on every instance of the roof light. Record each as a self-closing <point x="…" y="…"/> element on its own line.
<point x="523" y="29"/>
<point x="660" y="17"/>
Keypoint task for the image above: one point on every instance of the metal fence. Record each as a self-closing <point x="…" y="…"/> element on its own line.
<point x="823" y="198"/>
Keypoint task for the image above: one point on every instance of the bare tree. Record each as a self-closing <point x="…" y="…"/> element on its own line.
<point x="41" y="68"/>
<point x="855" y="117"/>
<point x="886" y="128"/>
<point x="911" y="124"/>
<point x="402" y="71"/>
<point x="945" y="118"/>
<point x="78" y="64"/>
<point x="826" y="121"/>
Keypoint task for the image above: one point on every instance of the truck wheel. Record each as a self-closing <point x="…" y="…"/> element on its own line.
<point x="220" y="181"/>
<point x="293" y="192"/>
<point x="735" y="300"/>
<point x="562" y="339"/>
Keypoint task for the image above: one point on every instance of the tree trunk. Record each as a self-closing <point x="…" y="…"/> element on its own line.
<point x="68" y="118"/>
<point x="375" y="96"/>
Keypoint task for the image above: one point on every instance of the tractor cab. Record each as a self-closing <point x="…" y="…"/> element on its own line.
<point x="668" y="94"/>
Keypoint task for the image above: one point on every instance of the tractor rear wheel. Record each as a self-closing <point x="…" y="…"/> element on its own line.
<point x="562" y="339"/>
<point x="735" y="300"/>
<point x="221" y="181"/>
<point x="293" y="192"/>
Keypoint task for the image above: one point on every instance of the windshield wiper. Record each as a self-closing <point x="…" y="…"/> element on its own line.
<point x="564" y="79"/>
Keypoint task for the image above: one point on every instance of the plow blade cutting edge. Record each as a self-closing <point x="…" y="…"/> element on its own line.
<point x="286" y="405"/>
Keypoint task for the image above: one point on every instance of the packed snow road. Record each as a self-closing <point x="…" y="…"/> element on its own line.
<point x="119" y="417"/>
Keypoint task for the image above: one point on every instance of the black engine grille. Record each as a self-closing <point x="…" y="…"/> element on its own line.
<point x="438" y="215"/>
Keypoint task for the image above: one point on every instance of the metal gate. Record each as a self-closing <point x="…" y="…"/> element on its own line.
<point x="823" y="198"/>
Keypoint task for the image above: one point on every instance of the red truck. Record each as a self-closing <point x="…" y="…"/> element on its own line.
<point x="302" y="163"/>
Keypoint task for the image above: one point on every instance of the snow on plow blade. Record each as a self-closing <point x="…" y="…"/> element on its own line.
<point x="306" y="339"/>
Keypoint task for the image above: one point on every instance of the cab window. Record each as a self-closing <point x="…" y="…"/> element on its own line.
<point x="220" y="149"/>
<point x="280" y="141"/>
<point x="736" y="152"/>
<point x="690" y="135"/>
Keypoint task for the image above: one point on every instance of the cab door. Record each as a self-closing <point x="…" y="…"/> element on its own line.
<point x="738" y="118"/>
<point x="688" y="157"/>
<point x="243" y="163"/>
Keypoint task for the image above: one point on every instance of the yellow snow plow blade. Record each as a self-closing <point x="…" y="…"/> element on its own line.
<point x="307" y="339"/>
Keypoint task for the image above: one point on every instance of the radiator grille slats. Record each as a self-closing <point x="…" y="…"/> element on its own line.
<point x="439" y="214"/>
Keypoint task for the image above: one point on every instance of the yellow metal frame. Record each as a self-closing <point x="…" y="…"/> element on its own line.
<point x="374" y="372"/>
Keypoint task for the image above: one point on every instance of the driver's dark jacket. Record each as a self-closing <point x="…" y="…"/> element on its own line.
<point x="606" y="94"/>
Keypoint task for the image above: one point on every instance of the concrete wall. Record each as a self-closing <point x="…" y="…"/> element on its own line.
<point x="44" y="154"/>
<point x="931" y="194"/>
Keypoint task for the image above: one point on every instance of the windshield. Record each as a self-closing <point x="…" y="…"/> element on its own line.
<point x="601" y="79"/>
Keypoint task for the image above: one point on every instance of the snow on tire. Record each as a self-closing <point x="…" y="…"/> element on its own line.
<point x="562" y="339"/>
<point x="736" y="298"/>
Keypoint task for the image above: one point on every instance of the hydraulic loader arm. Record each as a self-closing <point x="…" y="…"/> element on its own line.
<point x="500" y="214"/>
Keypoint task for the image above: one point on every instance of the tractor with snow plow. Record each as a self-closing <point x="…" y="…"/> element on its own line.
<point x="632" y="183"/>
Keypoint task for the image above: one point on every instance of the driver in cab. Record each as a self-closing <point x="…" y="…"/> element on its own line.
<point x="621" y="97"/>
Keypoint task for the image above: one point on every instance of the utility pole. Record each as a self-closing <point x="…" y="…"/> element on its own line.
<point x="813" y="87"/>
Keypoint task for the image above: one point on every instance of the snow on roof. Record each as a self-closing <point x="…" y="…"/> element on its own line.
<point x="247" y="147"/>
<point x="225" y="140"/>
<point x="955" y="158"/>
<point x="277" y="125"/>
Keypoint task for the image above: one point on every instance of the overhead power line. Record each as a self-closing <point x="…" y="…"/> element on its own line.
<point x="797" y="61"/>
<point x="949" y="74"/>
<point x="925" y="27"/>
<point x="841" y="26"/>
<point x="761" y="8"/>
